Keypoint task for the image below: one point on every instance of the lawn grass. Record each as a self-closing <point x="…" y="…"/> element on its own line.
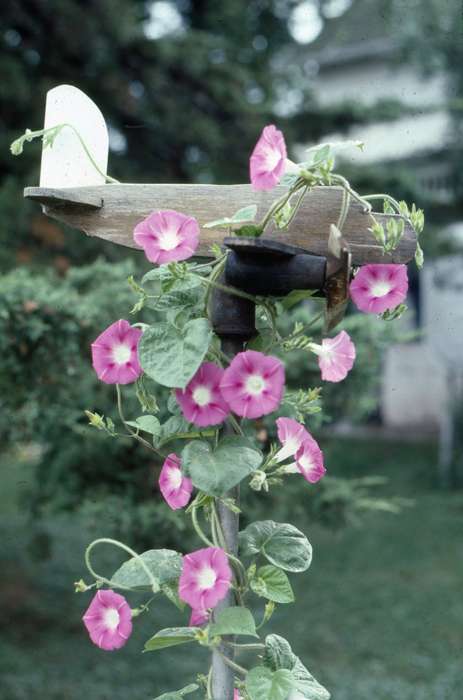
<point x="379" y="616"/>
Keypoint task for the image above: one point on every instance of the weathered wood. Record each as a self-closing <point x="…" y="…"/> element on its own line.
<point x="124" y="205"/>
<point x="66" y="198"/>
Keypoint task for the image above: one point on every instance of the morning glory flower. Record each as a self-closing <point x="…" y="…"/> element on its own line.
<point x="174" y="486"/>
<point x="268" y="159"/>
<point x="205" y="579"/>
<point x="201" y="401"/>
<point x="253" y="384"/>
<point x="167" y="235"/>
<point x="377" y="288"/>
<point x="115" y="354"/>
<point x="108" y="620"/>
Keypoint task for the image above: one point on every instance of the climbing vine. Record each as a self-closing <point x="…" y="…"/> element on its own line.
<point x="209" y="444"/>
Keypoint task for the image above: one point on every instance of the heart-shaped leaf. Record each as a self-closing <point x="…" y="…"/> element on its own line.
<point x="264" y="684"/>
<point x="281" y="543"/>
<point x="149" y="424"/>
<point x="278" y="653"/>
<point x="217" y="471"/>
<point x="164" y="564"/>
<point x="306" y="684"/>
<point x="273" y="584"/>
<point x="171" y="637"/>
<point x="171" y="355"/>
<point x="234" y="620"/>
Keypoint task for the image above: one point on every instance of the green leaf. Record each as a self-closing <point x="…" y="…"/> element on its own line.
<point x="242" y="215"/>
<point x="278" y="653"/>
<point x="216" y="471"/>
<point x="171" y="637"/>
<point x="295" y="297"/>
<point x="164" y="564"/>
<point x="179" y="694"/>
<point x="149" y="424"/>
<point x="306" y="684"/>
<point x="264" y="684"/>
<point x="170" y="590"/>
<point x="234" y="620"/>
<point x="282" y="544"/>
<point x="272" y="583"/>
<point x="249" y="230"/>
<point x="171" y="356"/>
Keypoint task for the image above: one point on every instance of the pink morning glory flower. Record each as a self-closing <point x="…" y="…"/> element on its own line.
<point x="108" y="620"/>
<point x="167" y="235"/>
<point x="201" y="401"/>
<point x="174" y="486"/>
<point x="309" y="461"/>
<point x="253" y="384"/>
<point x="336" y="356"/>
<point x="205" y="579"/>
<point x="198" y="618"/>
<point x="236" y="695"/>
<point x="114" y="354"/>
<point x="267" y="163"/>
<point x="376" y="288"/>
<point x="291" y="434"/>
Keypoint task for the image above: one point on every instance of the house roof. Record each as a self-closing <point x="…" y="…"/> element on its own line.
<point x="363" y="31"/>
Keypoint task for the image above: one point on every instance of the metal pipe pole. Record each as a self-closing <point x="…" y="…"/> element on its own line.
<point x="233" y="319"/>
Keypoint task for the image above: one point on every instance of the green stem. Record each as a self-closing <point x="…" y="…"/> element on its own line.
<point x="237" y="427"/>
<point x="41" y="132"/>
<point x="209" y="685"/>
<point x="384" y="197"/>
<point x="232" y="664"/>
<point x="199" y="531"/>
<point x="344" y="210"/>
<point x="228" y="290"/>
<point x="131" y="432"/>
<point x="244" y="647"/>
<point x="116" y="543"/>
<point x="339" y="179"/>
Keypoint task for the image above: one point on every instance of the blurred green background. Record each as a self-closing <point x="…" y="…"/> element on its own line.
<point x="185" y="87"/>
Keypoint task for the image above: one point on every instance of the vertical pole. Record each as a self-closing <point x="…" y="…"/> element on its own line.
<point x="233" y="319"/>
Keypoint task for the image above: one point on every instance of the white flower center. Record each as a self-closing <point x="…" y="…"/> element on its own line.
<point x="272" y="158"/>
<point x="121" y="354"/>
<point x="168" y="240"/>
<point x="289" y="448"/>
<point x="175" y="478"/>
<point x="381" y="288"/>
<point x="202" y="395"/>
<point x="111" y="618"/>
<point x="207" y="577"/>
<point x="306" y="462"/>
<point x="255" y="384"/>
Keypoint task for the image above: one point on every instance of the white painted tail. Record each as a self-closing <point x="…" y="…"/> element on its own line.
<point x="65" y="163"/>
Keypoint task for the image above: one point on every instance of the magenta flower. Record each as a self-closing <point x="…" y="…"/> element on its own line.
<point x="309" y="461"/>
<point x="114" y="354"/>
<point x="205" y="579"/>
<point x="336" y="356"/>
<point x="267" y="163"/>
<point x="198" y="618"/>
<point x="108" y="620"/>
<point x="236" y="695"/>
<point x="253" y="384"/>
<point x="376" y="288"/>
<point x="175" y="487"/>
<point x="201" y="401"/>
<point x="167" y="235"/>
<point x="291" y="434"/>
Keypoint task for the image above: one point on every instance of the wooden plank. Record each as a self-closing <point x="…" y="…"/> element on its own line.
<point x="65" y="198"/>
<point x="124" y="205"/>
